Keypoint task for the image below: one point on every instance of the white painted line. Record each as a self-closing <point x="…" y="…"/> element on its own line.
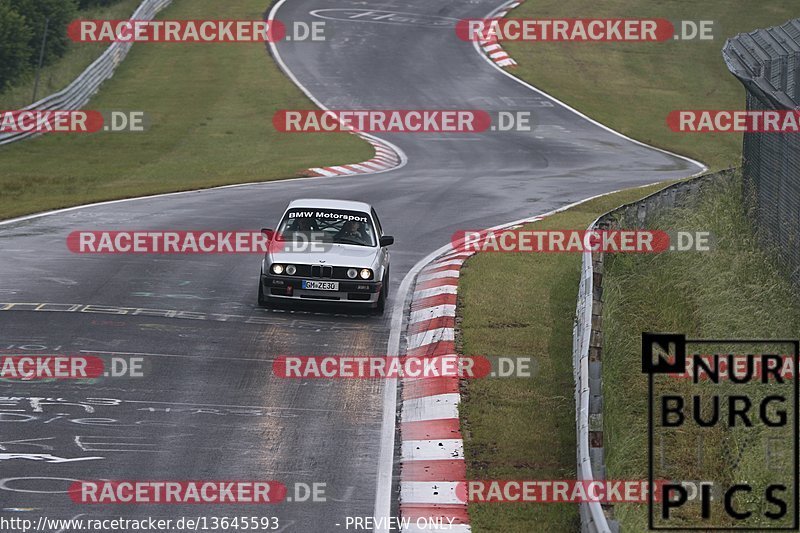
<point x="184" y="356"/>
<point x="225" y="406"/>
<point x="432" y="450"/>
<point x="431" y="407"/>
<point x="400" y="160"/>
<point x="493" y="14"/>
<point x="432" y="492"/>
<point x="431" y="336"/>
<point x="403" y="159"/>
<point x="150" y="197"/>
<point x="430" y="313"/>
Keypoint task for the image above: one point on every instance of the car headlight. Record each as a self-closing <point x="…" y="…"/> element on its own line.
<point x="277" y="269"/>
<point x="366" y="273"/>
<point x="291" y="270"/>
<point x="352" y="273"/>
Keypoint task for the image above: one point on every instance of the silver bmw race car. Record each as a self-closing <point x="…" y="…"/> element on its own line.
<point x="327" y="251"/>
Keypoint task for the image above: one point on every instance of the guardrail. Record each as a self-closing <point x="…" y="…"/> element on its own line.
<point x="78" y="93"/>
<point x="587" y="339"/>
<point x="593" y="517"/>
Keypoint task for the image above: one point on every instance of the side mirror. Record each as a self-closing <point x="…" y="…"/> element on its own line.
<point x="387" y="241"/>
<point x="268" y="233"/>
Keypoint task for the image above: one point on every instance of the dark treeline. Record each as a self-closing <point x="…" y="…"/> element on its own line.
<point x="22" y="24"/>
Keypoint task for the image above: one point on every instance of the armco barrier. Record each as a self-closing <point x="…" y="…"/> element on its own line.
<point x="587" y="339"/>
<point x="77" y="94"/>
<point x="767" y="62"/>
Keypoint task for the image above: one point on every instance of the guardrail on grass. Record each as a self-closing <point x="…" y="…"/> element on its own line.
<point x="78" y="93"/>
<point x="587" y="339"/>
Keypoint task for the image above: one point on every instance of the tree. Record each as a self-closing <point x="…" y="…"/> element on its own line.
<point x="15" y="51"/>
<point x="59" y="12"/>
<point x="85" y="4"/>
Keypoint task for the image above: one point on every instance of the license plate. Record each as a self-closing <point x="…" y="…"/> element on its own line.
<point x="321" y="285"/>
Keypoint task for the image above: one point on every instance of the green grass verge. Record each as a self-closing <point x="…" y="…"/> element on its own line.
<point x="524" y="304"/>
<point x="60" y="73"/>
<point x="211" y="109"/>
<point x="631" y="87"/>
<point x="733" y="291"/>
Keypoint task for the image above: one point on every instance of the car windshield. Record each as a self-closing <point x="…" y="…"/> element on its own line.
<point x="327" y="225"/>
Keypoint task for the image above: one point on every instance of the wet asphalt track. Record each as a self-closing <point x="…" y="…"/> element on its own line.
<point x="209" y="407"/>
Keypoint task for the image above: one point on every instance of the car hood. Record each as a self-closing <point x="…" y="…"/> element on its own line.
<point x="334" y="255"/>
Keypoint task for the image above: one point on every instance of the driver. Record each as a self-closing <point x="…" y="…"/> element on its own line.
<point x="352" y="230"/>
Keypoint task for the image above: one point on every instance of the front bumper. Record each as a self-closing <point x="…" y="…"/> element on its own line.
<point x="350" y="291"/>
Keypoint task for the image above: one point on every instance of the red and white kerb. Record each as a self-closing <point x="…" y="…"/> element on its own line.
<point x="385" y="158"/>
<point x="491" y="45"/>
<point x="432" y="448"/>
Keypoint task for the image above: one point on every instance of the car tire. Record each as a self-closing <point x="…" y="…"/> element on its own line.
<point x="380" y="307"/>
<point x="262" y="301"/>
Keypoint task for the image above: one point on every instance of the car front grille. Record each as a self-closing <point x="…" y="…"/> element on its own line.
<point x="323" y="272"/>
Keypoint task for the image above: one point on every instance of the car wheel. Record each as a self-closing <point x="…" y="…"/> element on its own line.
<point x="380" y="307"/>
<point x="262" y="301"/>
